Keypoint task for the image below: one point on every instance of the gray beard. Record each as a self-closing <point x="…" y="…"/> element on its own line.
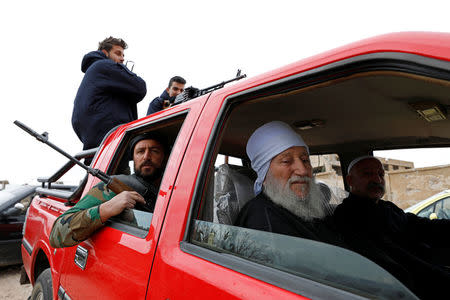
<point x="311" y="206"/>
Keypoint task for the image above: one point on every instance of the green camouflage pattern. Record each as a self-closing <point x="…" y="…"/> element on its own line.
<point x="82" y="220"/>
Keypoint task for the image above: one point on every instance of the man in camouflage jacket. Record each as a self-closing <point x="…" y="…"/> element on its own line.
<point x="99" y="204"/>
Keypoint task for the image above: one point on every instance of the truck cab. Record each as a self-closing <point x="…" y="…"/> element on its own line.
<point x="384" y="93"/>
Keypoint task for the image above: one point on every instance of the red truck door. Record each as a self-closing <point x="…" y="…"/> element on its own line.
<point x="115" y="263"/>
<point x="179" y="275"/>
<point x="200" y="256"/>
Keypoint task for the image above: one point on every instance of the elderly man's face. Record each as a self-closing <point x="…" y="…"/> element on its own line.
<point x="366" y="179"/>
<point x="293" y="167"/>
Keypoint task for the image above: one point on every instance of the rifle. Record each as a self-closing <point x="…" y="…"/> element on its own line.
<point x="192" y="92"/>
<point x="112" y="183"/>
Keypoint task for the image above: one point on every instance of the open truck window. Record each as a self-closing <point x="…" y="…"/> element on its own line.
<point x="342" y="111"/>
<point x="139" y="217"/>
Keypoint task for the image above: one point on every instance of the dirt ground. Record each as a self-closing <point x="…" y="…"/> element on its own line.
<point x="10" y="288"/>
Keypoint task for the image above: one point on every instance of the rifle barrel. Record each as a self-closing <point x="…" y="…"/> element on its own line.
<point x="116" y="185"/>
<point x="44" y="139"/>
<point x="26" y="128"/>
<point x="220" y="85"/>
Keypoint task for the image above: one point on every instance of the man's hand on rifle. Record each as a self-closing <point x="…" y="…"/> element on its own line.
<point x="166" y="104"/>
<point x="117" y="204"/>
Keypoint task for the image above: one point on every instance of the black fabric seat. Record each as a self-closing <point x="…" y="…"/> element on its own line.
<point x="233" y="188"/>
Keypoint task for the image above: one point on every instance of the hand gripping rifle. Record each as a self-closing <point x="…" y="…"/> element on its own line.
<point x="112" y="183"/>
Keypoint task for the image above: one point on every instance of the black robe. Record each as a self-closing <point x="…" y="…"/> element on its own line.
<point x="261" y="213"/>
<point x="402" y="243"/>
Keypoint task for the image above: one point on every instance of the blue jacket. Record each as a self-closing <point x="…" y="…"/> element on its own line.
<point x="107" y="97"/>
<point x="158" y="102"/>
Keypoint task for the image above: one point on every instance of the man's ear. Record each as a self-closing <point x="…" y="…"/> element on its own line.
<point x="349" y="178"/>
<point x="105" y="52"/>
<point x="167" y="89"/>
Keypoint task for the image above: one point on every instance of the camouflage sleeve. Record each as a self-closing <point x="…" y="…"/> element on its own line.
<point x="82" y="220"/>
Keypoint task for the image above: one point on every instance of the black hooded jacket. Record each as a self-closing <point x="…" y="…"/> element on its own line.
<point x="107" y="97"/>
<point x="158" y="103"/>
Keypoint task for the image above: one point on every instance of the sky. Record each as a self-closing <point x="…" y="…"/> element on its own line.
<point x="203" y="41"/>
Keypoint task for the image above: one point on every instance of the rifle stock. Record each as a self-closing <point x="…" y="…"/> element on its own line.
<point x="118" y="186"/>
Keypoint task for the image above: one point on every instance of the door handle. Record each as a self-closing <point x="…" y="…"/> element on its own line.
<point x="81" y="256"/>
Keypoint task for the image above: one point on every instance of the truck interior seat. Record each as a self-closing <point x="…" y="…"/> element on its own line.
<point x="79" y="190"/>
<point x="326" y="191"/>
<point x="233" y="187"/>
<point x="328" y="196"/>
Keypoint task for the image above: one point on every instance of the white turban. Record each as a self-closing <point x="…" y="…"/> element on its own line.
<point x="267" y="142"/>
<point x="358" y="159"/>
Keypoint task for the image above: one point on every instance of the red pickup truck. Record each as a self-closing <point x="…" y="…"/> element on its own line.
<point x="387" y="92"/>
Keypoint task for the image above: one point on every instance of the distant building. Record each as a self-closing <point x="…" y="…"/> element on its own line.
<point x="3" y="184"/>
<point x="395" y="164"/>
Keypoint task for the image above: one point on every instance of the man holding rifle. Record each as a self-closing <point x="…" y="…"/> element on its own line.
<point x="175" y="87"/>
<point x="149" y="152"/>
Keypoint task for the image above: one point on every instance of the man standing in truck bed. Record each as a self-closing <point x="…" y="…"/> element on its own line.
<point x="108" y="94"/>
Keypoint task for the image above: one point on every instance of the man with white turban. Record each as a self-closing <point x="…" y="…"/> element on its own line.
<point x="287" y="201"/>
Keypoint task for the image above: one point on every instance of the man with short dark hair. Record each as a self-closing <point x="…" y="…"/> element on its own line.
<point x="149" y="152"/>
<point x="113" y="49"/>
<point x="108" y="94"/>
<point x="404" y="244"/>
<point x="288" y="201"/>
<point x="175" y="87"/>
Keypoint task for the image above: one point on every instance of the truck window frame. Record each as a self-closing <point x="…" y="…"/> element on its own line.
<point x="177" y="120"/>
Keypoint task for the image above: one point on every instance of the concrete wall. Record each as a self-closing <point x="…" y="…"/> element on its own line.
<point x="407" y="187"/>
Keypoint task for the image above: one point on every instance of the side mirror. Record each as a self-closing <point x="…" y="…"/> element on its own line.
<point x="19" y="206"/>
<point x="433" y="216"/>
<point x="14" y="211"/>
